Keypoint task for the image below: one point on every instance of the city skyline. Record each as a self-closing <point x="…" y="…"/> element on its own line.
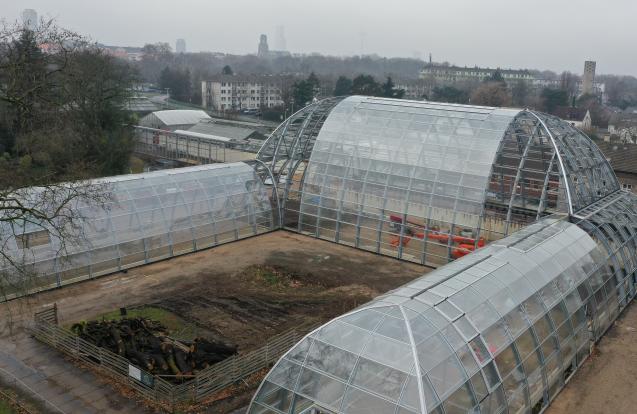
<point x="462" y="33"/>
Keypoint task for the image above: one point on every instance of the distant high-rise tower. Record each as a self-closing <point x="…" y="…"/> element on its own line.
<point x="264" y="50"/>
<point x="280" y="43"/>
<point x="589" y="77"/>
<point x="30" y="19"/>
<point x="180" y="46"/>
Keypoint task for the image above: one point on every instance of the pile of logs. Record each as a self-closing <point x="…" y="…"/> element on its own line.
<point x="146" y="344"/>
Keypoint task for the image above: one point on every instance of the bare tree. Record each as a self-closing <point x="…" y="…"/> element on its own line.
<point x="491" y="94"/>
<point x="61" y="116"/>
<point x="37" y="220"/>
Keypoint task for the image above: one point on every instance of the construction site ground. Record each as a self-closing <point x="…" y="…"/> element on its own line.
<point x="244" y="292"/>
<point x="606" y="382"/>
<point x="247" y="291"/>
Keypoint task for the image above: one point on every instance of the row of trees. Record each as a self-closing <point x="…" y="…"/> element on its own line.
<point x="62" y="106"/>
<point x="367" y="85"/>
<point x="493" y="91"/>
<point x="306" y="90"/>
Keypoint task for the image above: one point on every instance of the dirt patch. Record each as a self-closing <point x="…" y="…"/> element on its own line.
<point x="605" y="383"/>
<point x="243" y="292"/>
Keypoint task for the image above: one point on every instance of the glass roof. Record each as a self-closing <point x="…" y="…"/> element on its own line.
<point x="499" y="330"/>
<point x="589" y="175"/>
<point x="428" y="182"/>
<point x="151" y="216"/>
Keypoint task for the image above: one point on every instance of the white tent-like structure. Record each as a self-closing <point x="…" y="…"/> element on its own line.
<point x="173" y="119"/>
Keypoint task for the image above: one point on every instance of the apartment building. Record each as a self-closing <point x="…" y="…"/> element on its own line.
<point x="235" y="93"/>
<point x="453" y="74"/>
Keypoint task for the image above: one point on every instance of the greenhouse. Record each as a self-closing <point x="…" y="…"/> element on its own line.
<point x="428" y="182"/>
<point x="149" y="217"/>
<point x="533" y="239"/>
<point x="545" y="242"/>
<point x="499" y="330"/>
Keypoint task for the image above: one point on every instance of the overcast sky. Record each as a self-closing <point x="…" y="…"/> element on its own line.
<point x="542" y="34"/>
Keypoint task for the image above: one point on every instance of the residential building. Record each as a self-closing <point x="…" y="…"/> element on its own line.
<point x="452" y="74"/>
<point x="180" y="46"/>
<point x="132" y="54"/>
<point x="417" y="90"/>
<point x="234" y="93"/>
<point x="622" y="127"/>
<point x="621" y="157"/>
<point x="589" y="77"/>
<point x="30" y="19"/>
<point x="578" y="117"/>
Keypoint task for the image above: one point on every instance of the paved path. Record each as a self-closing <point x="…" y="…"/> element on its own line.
<point x="44" y="374"/>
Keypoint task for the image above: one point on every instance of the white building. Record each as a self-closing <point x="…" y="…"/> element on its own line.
<point x="234" y="93"/>
<point x="452" y="74"/>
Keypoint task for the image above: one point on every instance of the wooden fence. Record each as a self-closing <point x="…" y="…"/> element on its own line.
<point x="152" y="387"/>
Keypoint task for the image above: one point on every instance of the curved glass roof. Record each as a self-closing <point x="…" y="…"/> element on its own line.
<point x="430" y="182"/>
<point x="499" y="330"/>
<point x="588" y="173"/>
<point x="151" y="216"/>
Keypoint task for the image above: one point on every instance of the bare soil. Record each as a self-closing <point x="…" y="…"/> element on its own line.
<point x="243" y="292"/>
<point x="606" y="381"/>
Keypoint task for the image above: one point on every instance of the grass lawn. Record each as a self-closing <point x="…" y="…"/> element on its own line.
<point x="136" y="165"/>
<point x="5" y="407"/>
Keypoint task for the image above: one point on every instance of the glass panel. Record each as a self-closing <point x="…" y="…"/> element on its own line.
<point x="380" y="379"/>
<point x="321" y="388"/>
<point x="360" y="402"/>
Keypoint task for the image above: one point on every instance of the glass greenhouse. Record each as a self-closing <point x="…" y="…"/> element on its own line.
<point x="499" y="330"/>
<point x="428" y="182"/>
<point x="536" y="243"/>
<point x="545" y="241"/>
<point x="151" y="216"/>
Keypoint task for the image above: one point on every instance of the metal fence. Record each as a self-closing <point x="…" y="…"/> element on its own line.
<point x="28" y="405"/>
<point x="152" y="387"/>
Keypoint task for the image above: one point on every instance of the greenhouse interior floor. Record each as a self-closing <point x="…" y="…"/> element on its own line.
<point x="244" y="292"/>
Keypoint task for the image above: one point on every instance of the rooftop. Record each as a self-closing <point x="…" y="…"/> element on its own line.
<point x="215" y="128"/>
<point x="622" y="157"/>
<point x="180" y="116"/>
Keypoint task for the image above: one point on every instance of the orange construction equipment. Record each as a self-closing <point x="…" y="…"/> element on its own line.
<point x="465" y="245"/>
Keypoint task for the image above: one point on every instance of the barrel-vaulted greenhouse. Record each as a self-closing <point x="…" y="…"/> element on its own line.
<point x="148" y="217"/>
<point x="533" y="240"/>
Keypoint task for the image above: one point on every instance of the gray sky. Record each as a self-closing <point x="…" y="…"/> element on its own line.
<point x="543" y="34"/>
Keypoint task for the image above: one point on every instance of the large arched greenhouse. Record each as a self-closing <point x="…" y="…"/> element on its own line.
<point x="533" y="240"/>
<point x="502" y="328"/>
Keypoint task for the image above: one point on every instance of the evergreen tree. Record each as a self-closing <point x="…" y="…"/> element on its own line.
<point x="227" y="70"/>
<point x="343" y="86"/>
<point x="389" y="90"/>
<point x="366" y="85"/>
